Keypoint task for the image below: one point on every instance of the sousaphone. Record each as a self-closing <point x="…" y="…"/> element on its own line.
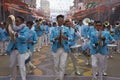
<point x="10" y="24"/>
<point x="86" y="21"/>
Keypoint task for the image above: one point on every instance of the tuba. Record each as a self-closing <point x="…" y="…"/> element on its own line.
<point x="106" y="24"/>
<point x="117" y="24"/>
<point x="86" y="21"/>
<point x="10" y="24"/>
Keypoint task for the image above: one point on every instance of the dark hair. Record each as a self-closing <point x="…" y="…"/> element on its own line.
<point x="40" y="19"/>
<point x="30" y="22"/>
<point x="21" y="18"/>
<point x="54" y="23"/>
<point x="60" y="16"/>
<point x="36" y="21"/>
<point x="98" y="22"/>
<point x="80" y="20"/>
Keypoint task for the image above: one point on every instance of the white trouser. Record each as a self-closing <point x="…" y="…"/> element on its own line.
<point x="49" y="38"/>
<point x="118" y="46"/>
<point x="30" y="63"/>
<point x="14" y="57"/>
<point x="3" y="45"/>
<point x="98" y="64"/>
<point x="105" y="64"/>
<point x="39" y="44"/>
<point x="45" y="38"/>
<point x="74" y="61"/>
<point x="60" y="58"/>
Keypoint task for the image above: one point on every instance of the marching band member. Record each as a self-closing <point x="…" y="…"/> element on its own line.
<point x="98" y="49"/>
<point x="110" y="40"/>
<point x="39" y="31"/>
<point x="18" y="49"/>
<point x="117" y="35"/>
<point x="60" y="37"/>
<point x="4" y="37"/>
<point x="85" y="32"/>
<point x="32" y="40"/>
<point x="108" y="28"/>
<point x="45" y="32"/>
<point x="75" y="35"/>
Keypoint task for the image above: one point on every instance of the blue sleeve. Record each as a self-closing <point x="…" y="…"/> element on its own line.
<point x="35" y="38"/>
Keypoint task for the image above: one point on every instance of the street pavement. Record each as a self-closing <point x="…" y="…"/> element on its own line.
<point x="44" y="71"/>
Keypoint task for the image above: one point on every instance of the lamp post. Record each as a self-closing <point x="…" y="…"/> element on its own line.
<point x="2" y="10"/>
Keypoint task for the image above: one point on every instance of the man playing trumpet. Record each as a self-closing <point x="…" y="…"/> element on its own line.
<point x="98" y="49"/>
<point x="60" y="47"/>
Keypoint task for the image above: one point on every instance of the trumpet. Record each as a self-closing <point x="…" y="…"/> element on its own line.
<point x="61" y="37"/>
<point x="101" y="40"/>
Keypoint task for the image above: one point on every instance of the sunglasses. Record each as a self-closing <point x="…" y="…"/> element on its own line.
<point x="98" y="25"/>
<point x="17" y="21"/>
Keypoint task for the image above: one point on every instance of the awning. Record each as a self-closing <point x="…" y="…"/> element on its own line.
<point x="100" y="8"/>
<point x="17" y="2"/>
<point x="16" y="8"/>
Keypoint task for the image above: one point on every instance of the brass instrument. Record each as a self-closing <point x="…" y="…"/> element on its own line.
<point x="10" y="23"/>
<point x="111" y="32"/>
<point x="38" y="25"/>
<point x="106" y="23"/>
<point x="60" y="36"/>
<point x="117" y="27"/>
<point x="100" y="42"/>
<point x="86" y="21"/>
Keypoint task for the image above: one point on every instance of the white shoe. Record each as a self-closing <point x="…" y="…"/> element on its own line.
<point x="104" y="74"/>
<point x="38" y="50"/>
<point x="5" y="54"/>
<point x="34" y="50"/>
<point x="87" y="63"/>
<point x="111" y="56"/>
<point x="77" y="73"/>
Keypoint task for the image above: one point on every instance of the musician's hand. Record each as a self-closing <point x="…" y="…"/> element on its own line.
<point x="96" y="44"/>
<point x="30" y="42"/>
<point x="57" y="38"/>
<point x="112" y="42"/>
<point x="75" y="30"/>
<point x="16" y="34"/>
<point x="103" y="39"/>
<point x="64" y="37"/>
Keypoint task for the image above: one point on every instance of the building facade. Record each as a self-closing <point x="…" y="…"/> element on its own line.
<point x="45" y="7"/>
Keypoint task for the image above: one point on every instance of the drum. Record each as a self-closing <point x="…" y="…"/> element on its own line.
<point x="112" y="48"/>
<point x="76" y="48"/>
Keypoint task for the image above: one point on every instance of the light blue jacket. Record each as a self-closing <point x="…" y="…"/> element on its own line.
<point x="3" y="35"/>
<point x="33" y="38"/>
<point x="21" y="42"/>
<point x="91" y="29"/>
<point x="39" y="30"/>
<point x="65" y="43"/>
<point x="45" y="29"/>
<point x="117" y="33"/>
<point x="94" y="39"/>
<point x="84" y="31"/>
<point x="75" y="36"/>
